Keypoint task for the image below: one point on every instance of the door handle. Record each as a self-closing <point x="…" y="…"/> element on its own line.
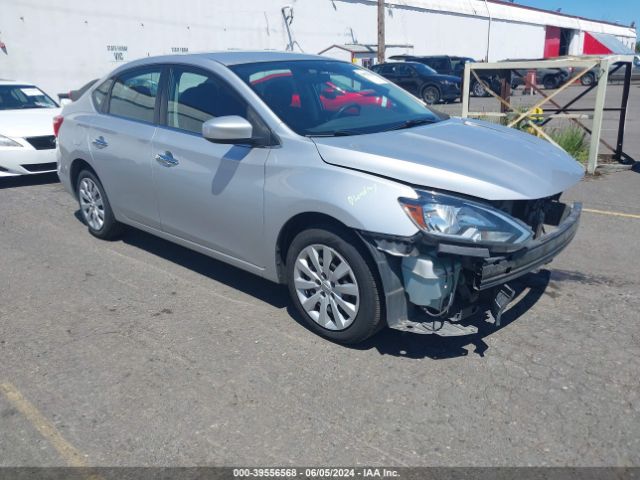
<point x="166" y="159"/>
<point x="100" y="142"/>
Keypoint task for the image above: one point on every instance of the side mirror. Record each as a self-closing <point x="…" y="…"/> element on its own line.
<point x="231" y="129"/>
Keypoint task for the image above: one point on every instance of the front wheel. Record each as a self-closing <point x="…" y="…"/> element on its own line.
<point x="550" y="82"/>
<point x="333" y="286"/>
<point x="430" y="95"/>
<point x="478" y="90"/>
<point x="95" y="207"/>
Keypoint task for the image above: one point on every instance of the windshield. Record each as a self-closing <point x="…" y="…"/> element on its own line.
<point x="327" y="98"/>
<point x="16" y="97"/>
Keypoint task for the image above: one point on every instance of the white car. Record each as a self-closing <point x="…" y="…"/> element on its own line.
<point x="27" y="140"/>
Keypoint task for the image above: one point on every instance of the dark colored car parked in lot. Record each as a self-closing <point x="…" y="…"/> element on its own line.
<point x="549" y="78"/>
<point x="421" y="81"/>
<point x="444" y="64"/>
<point x="451" y="65"/>
<point x="615" y="75"/>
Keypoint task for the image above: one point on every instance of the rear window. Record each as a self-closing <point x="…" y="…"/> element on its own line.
<point x="99" y="95"/>
<point x="382" y="68"/>
<point x="134" y="95"/>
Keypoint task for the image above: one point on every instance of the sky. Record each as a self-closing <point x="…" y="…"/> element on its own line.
<point x="622" y="11"/>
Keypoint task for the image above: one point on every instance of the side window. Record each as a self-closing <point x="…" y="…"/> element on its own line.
<point x="345" y="83"/>
<point x="195" y="97"/>
<point x="134" y="95"/>
<point x="403" y="70"/>
<point x="99" y="95"/>
<point x="441" y="65"/>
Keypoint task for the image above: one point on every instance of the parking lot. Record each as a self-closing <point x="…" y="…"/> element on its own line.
<point x="139" y="352"/>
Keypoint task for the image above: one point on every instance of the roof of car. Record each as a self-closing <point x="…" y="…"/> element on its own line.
<point x="13" y="82"/>
<point x="231" y="57"/>
<point x="239" y="57"/>
<point x="402" y="63"/>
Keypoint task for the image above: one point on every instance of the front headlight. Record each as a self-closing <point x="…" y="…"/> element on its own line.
<point x="7" y="142"/>
<point x="463" y="220"/>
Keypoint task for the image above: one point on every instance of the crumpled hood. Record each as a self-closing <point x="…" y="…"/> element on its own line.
<point x="30" y="122"/>
<point x="471" y="157"/>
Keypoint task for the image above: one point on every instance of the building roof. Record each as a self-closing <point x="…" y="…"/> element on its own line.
<point x="502" y="10"/>
<point x="614" y="45"/>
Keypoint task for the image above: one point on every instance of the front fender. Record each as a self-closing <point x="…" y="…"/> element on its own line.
<point x="297" y="181"/>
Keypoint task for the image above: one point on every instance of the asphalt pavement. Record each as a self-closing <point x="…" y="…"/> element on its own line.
<point x="138" y="352"/>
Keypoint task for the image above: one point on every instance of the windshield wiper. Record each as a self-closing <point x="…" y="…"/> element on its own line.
<point x="413" y="123"/>
<point x="334" y="133"/>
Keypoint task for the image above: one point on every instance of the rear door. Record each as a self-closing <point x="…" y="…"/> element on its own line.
<point x="120" y="144"/>
<point x="209" y="194"/>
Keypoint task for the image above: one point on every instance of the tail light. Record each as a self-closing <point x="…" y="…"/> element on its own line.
<point x="57" y="123"/>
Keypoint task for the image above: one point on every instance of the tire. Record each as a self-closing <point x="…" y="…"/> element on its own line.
<point x="478" y="90"/>
<point x="95" y="208"/>
<point x="550" y="82"/>
<point x="355" y="294"/>
<point x="431" y="94"/>
<point x="588" y="79"/>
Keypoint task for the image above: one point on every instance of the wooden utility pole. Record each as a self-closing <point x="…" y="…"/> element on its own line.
<point x="381" y="40"/>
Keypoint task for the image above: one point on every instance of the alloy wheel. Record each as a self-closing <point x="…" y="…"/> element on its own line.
<point x="431" y="95"/>
<point x="326" y="286"/>
<point x="478" y="90"/>
<point x="91" y="203"/>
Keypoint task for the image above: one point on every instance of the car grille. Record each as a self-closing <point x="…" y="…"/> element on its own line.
<point x="46" y="142"/>
<point x="40" y="167"/>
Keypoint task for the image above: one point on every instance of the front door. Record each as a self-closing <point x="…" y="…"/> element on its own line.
<point x="406" y="77"/>
<point x="209" y="194"/>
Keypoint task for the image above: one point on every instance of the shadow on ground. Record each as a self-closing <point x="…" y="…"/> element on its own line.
<point x="388" y="342"/>
<point x="529" y="289"/>
<point x="28" y="180"/>
<point x="248" y="283"/>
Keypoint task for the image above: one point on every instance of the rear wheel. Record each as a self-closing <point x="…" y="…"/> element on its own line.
<point x="588" y="79"/>
<point x="333" y="286"/>
<point x="430" y="95"/>
<point x="95" y="208"/>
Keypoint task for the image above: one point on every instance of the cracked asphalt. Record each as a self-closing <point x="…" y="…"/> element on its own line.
<point x="142" y="353"/>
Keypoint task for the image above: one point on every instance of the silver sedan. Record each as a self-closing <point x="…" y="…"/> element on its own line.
<point x="374" y="209"/>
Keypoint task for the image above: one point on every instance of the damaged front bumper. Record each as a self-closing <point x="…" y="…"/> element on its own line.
<point x="501" y="269"/>
<point x="431" y="287"/>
